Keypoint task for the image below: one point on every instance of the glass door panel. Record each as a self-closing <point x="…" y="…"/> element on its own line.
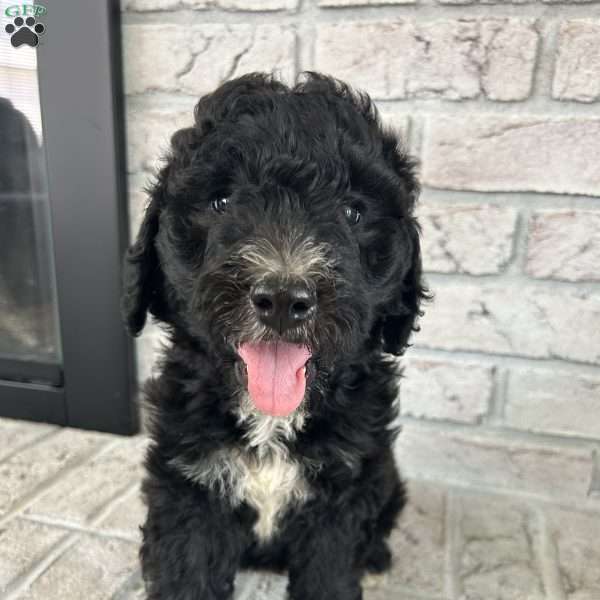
<point x="29" y="330"/>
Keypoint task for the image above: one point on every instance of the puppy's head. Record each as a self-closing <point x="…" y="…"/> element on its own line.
<point x="281" y="232"/>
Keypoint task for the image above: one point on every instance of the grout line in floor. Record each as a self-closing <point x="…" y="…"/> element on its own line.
<point x="30" y="444"/>
<point x="16" y="588"/>
<point x="28" y="499"/>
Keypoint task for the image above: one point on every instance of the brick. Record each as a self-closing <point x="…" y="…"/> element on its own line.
<point x="15" y="434"/>
<point x="24" y="472"/>
<point x="466" y="238"/>
<point x="418" y="542"/>
<point x="195" y="59"/>
<point x="149" y="133"/>
<point x="513" y="319"/>
<point x="79" y="495"/>
<point x="575" y="537"/>
<point x="510" y="51"/>
<point x="520" y="153"/>
<point x="551" y="401"/>
<point x="577" y="72"/>
<point x="497" y="557"/>
<point x="492" y="460"/>
<point x="564" y="244"/>
<point x="93" y="569"/>
<point x="22" y="545"/>
<point x="449" y="390"/>
<point x="453" y="59"/>
<point x="126" y="517"/>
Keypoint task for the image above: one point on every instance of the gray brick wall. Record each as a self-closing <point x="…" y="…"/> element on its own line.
<point x="500" y="101"/>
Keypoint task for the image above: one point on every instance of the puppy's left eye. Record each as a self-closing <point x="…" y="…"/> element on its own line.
<point x="352" y="214"/>
<point x="220" y="204"/>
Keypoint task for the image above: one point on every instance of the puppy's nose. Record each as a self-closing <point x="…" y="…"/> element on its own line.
<point x="283" y="306"/>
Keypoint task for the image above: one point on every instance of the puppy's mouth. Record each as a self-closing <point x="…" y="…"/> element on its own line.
<point x="276" y="373"/>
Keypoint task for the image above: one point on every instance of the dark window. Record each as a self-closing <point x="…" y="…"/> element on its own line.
<point x="64" y="355"/>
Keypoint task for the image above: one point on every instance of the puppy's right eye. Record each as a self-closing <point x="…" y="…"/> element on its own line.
<point x="219" y="205"/>
<point x="352" y="214"/>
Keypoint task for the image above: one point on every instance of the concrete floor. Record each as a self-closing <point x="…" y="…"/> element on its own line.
<point x="70" y="511"/>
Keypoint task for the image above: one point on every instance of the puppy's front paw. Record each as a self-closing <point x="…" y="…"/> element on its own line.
<point x="375" y="580"/>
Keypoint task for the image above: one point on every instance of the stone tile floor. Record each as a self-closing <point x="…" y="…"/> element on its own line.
<point x="70" y="510"/>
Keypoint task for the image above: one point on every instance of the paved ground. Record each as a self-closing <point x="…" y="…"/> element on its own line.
<point x="70" y="510"/>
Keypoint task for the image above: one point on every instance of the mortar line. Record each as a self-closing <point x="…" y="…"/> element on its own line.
<point x="594" y="489"/>
<point x="69" y="526"/>
<point x="16" y="588"/>
<point x="518" y="279"/>
<point x="542" y="68"/>
<point x="30" y="444"/>
<point x="463" y="487"/>
<point x="128" y="586"/>
<point x="548" y="558"/>
<point x="494" y="416"/>
<point x="518" y="260"/>
<point x="415" y="594"/>
<point x="74" y="533"/>
<point x="489" y="357"/>
<point x="306" y="41"/>
<point x="452" y="587"/>
<point x="503" y="383"/>
<point x="544" y="108"/>
<point x="523" y="200"/>
<point x="488" y="431"/>
<point x="551" y="38"/>
<point x="123" y="494"/>
<point x="297" y="54"/>
<point x="423" y="11"/>
<point x="537" y="107"/>
<point x="415" y="138"/>
<point x="532" y="201"/>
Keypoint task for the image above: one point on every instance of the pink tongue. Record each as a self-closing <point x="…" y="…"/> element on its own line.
<point x="276" y="380"/>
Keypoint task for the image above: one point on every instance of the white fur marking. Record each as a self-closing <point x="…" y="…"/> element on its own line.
<point x="261" y="474"/>
<point x="292" y="256"/>
<point x="375" y="580"/>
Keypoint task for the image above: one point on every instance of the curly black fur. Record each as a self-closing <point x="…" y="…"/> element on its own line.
<point x="289" y="160"/>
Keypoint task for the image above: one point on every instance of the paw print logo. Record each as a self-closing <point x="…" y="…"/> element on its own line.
<point x="25" y="31"/>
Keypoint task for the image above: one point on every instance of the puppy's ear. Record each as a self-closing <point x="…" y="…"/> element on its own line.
<point x="142" y="277"/>
<point x="401" y="318"/>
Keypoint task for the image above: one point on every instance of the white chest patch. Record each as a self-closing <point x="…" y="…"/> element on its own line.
<point x="261" y="473"/>
<point x="270" y="487"/>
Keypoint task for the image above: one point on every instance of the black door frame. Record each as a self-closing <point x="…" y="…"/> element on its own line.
<point x="80" y="80"/>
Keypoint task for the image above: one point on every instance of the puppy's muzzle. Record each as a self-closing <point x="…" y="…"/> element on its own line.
<point x="282" y="305"/>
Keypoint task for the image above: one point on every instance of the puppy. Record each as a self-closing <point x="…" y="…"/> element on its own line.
<point x="280" y="251"/>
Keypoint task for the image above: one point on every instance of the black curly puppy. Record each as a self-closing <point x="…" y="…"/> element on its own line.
<point x="281" y="251"/>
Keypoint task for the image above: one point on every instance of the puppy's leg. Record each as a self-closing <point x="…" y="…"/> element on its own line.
<point x="322" y="561"/>
<point x="378" y="558"/>
<point x="192" y="543"/>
